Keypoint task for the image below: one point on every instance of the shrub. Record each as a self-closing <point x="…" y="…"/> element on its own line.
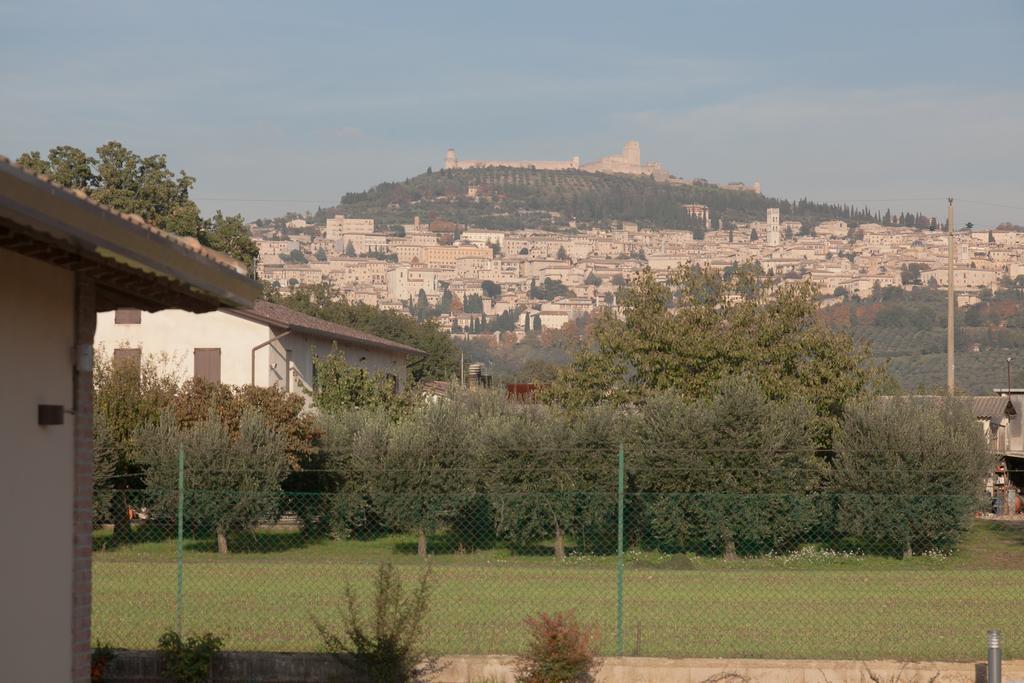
<point x="188" y="660"/>
<point x="102" y="656"/>
<point x="560" y="650"/>
<point x="909" y="472"/>
<point x="385" y="647"/>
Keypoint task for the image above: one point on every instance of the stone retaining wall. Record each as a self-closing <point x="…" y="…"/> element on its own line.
<point x="274" y="667"/>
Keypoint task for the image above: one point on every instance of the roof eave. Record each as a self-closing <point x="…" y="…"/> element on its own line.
<point x="84" y="227"/>
<point x="250" y="314"/>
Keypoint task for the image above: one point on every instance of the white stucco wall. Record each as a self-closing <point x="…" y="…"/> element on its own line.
<point x="36" y="487"/>
<point x="374" y="361"/>
<point x="171" y="337"/>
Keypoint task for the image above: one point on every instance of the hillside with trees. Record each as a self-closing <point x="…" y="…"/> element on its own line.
<point x="517" y="197"/>
<point x="906" y="331"/>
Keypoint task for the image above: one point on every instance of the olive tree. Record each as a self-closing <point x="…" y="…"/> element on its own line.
<point x="414" y="468"/>
<point x="908" y="472"/>
<point x="550" y="472"/>
<point x="232" y="477"/>
<point x="729" y="471"/>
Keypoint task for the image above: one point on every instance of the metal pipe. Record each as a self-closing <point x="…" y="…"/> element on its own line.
<point x="995" y="657"/>
<point x="260" y="346"/>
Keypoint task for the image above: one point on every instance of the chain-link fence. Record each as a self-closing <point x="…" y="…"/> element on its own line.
<point x="712" y="573"/>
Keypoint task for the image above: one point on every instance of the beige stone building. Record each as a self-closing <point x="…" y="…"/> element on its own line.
<point x="340" y="225"/>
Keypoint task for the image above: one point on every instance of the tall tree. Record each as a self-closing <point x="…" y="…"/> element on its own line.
<point x="230" y="235"/>
<point x="125" y="181"/>
<point x="688" y="333"/>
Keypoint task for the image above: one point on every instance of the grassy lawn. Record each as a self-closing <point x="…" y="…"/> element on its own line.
<point x="810" y="604"/>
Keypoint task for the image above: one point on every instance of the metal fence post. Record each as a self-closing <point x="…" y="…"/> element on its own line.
<point x="181" y="530"/>
<point x="620" y="560"/>
<point x="995" y="657"/>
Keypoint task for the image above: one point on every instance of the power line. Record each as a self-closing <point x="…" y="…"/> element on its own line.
<point x="264" y="199"/>
<point x="1001" y="206"/>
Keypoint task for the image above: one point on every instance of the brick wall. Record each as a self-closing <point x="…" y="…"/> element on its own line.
<point x="81" y="591"/>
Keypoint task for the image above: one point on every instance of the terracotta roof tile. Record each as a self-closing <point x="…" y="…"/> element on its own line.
<point x="282" y="316"/>
<point x="190" y="243"/>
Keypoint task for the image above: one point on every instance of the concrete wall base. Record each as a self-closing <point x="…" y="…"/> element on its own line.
<point x="277" y="667"/>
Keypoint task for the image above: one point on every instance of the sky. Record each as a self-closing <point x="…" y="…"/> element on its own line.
<point x="284" y="106"/>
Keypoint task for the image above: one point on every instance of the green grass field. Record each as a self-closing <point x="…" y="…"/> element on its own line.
<point x="811" y="604"/>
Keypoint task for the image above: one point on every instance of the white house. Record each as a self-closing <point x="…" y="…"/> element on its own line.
<point x="265" y="345"/>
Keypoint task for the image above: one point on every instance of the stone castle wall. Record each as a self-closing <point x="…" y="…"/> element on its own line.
<point x="628" y="162"/>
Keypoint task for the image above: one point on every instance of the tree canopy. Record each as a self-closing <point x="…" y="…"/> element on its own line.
<point x="125" y="181"/>
<point x="442" y="361"/>
<point x="698" y="326"/>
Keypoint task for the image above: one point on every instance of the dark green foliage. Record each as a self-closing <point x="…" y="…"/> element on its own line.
<point x="728" y="473"/>
<point x="244" y="469"/>
<point x="549" y="289"/>
<point x="560" y="650"/>
<point x="128" y="394"/>
<point x="909" y="472"/>
<point x="442" y="360"/>
<point x="546" y="467"/>
<point x="901" y="315"/>
<point x="230" y="235"/>
<point x="417" y="469"/>
<point x="473" y="304"/>
<point x="701" y="326"/>
<point x="340" y="386"/>
<point x="384" y="645"/>
<point x="529" y="194"/>
<point x="122" y="180"/>
<point x="188" y="660"/>
<point x="490" y="288"/>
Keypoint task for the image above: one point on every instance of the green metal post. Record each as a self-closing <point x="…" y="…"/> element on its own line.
<point x="620" y="562"/>
<point x="181" y="532"/>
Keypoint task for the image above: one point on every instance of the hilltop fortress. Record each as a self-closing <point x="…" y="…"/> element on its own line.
<point x="627" y="162"/>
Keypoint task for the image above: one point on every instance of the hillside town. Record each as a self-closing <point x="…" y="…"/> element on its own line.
<point x="477" y="281"/>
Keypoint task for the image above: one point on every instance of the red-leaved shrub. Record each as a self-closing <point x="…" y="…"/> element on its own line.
<point x="560" y="650"/>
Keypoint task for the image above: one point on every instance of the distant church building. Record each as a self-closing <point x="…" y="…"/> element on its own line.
<point x="774" y="233"/>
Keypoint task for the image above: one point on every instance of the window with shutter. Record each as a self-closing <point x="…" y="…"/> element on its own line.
<point x="207" y="365"/>
<point x="128" y="356"/>
<point x="127" y="316"/>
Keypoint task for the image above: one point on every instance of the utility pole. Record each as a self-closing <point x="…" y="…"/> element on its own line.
<point x="951" y="309"/>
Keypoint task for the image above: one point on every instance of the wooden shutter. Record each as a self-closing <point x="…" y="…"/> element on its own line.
<point x="127" y="316"/>
<point x="128" y="356"/>
<point x="207" y="365"/>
